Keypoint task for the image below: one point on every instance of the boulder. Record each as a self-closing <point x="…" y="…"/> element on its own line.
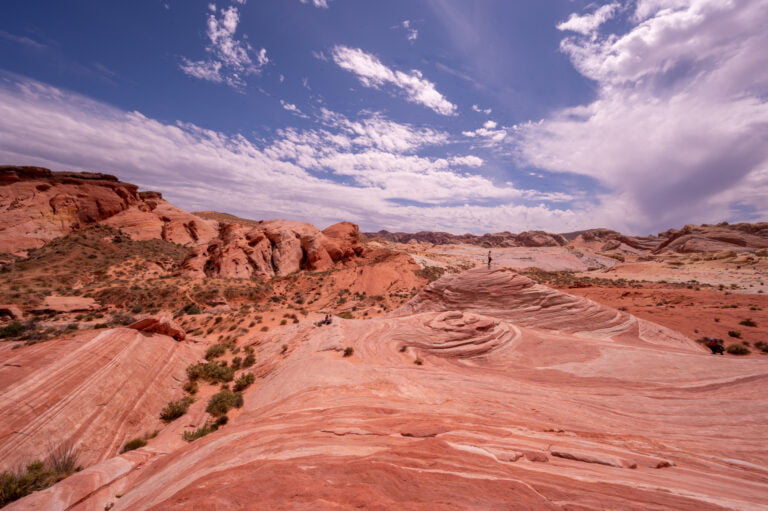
<point x="11" y="311"/>
<point x="160" y="324"/>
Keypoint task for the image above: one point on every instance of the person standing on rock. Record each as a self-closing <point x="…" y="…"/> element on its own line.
<point x="489" y="259"/>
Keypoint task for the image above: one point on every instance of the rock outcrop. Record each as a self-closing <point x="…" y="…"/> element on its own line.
<point x="706" y="238"/>
<point x="96" y="391"/>
<point x="485" y="392"/>
<point x="161" y="324"/>
<point x="38" y="205"/>
<point x="274" y="247"/>
<point x="495" y="240"/>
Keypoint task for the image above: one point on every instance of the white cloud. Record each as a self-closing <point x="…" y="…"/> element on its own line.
<point x="589" y="23"/>
<point x="679" y="130"/>
<point x="346" y="172"/>
<point x="486" y="111"/>
<point x="373" y="73"/>
<point x="489" y="133"/>
<point x="412" y="33"/>
<point x="293" y="109"/>
<point x="317" y="3"/>
<point x="229" y="58"/>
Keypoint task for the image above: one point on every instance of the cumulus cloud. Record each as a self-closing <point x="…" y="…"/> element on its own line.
<point x="589" y="23"/>
<point x="230" y="60"/>
<point x="678" y="132"/>
<point x="293" y="109"/>
<point x="489" y="133"/>
<point x="373" y="73"/>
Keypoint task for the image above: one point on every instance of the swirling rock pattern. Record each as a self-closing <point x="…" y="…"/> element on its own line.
<point x="526" y="398"/>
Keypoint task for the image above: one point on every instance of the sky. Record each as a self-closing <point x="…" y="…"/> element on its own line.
<point x="406" y="115"/>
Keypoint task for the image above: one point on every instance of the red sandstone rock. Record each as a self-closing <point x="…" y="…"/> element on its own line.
<point x="274" y="247"/>
<point x="38" y="205"/>
<point x="67" y="304"/>
<point x="97" y="390"/>
<point x="161" y="324"/>
<point x="11" y="311"/>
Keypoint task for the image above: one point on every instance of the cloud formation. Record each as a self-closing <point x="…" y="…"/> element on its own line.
<point x="362" y="170"/>
<point x="679" y="129"/>
<point x="588" y="23"/>
<point x="317" y="3"/>
<point x="230" y="60"/>
<point x="374" y="74"/>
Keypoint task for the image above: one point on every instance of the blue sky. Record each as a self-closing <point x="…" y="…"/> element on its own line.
<point x="455" y="115"/>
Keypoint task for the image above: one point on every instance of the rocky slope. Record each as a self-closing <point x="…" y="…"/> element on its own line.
<point x="500" y="239"/>
<point x="38" y="205"/>
<point x="486" y="391"/>
<point x="96" y="390"/>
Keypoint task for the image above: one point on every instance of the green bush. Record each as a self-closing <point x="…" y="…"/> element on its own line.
<point x="211" y="372"/>
<point x="13" y="329"/>
<point x="249" y="360"/>
<point x="190" y="387"/>
<point x="221" y="402"/>
<point x="191" y="309"/>
<point x="205" y="429"/>
<point x="215" y="351"/>
<point x="244" y="381"/>
<point x="61" y="463"/>
<point x="134" y="444"/>
<point x="737" y="349"/>
<point x="175" y="409"/>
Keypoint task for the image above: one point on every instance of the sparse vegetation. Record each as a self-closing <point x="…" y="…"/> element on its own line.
<point x="175" y="409"/>
<point x="207" y="428"/>
<point x="349" y="351"/>
<point x="138" y="442"/>
<point x="748" y="322"/>
<point x="738" y="349"/>
<point x="418" y="362"/>
<point x="215" y="351"/>
<point x="212" y="372"/>
<point x="244" y="381"/>
<point x="221" y="402"/>
<point x="61" y="463"/>
<point x="734" y="333"/>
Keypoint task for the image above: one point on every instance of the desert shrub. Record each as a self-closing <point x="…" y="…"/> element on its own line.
<point x="134" y="444"/>
<point x="136" y="309"/>
<point x="63" y="459"/>
<point x="403" y="348"/>
<point x="221" y="402"/>
<point x="735" y="334"/>
<point x="762" y="346"/>
<point x="211" y="372"/>
<point x="717" y="320"/>
<point x="100" y="325"/>
<point x="61" y="463"/>
<point x="175" y="409"/>
<point x="237" y="363"/>
<point x="190" y="387"/>
<point x="244" y="381"/>
<point x="249" y="360"/>
<point x="418" y="362"/>
<point x="13" y="329"/>
<point x="121" y="318"/>
<point x="284" y="322"/>
<point x="346" y="315"/>
<point x="264" y="328"/>
<point x="737" y="349"/>
<point x="215" y="351"/>
<point x="349" y="351"/>
<point x="73" y="326"/>
<point x="191" y="309"/>
<point x="748" y="322"/>
<point x="205" y="429"/>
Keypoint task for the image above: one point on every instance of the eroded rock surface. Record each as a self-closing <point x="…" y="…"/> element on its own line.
<point x="485" y="392"/>
<point x="96" y="390"/>
<point x="38" y="205"/>
<point x="273" y="247"/>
